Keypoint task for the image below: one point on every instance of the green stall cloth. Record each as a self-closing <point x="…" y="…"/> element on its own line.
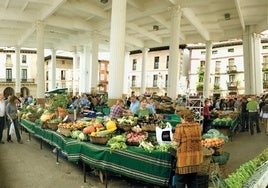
<point x="173" y="119"/>
<point x="134" y="162"/>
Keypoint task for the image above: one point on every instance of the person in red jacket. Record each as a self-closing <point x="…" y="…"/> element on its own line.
<point x="206" y="114"/>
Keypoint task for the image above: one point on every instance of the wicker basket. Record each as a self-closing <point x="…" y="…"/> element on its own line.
<point x="52" y="126"/>
<point x="64" y="131"/>
<point x="148" y="127"/>
<point x="99" y="139"/>
<point x="205" y="166"/>
<point x="124" y="127"/>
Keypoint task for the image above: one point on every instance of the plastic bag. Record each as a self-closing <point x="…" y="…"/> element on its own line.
<point x="164" y="135"/>
<point x="12" y="128"/>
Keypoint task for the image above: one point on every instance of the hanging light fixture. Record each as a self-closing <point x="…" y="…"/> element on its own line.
<point x="155" y="27"/>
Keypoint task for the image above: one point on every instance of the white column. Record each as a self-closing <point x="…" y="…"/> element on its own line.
<point x="40" y="78"/>
<point x="117" y="49"/>
<point x="18" y="72"/>
<point x="75" y="59"/>
<point x="258" y="64"/>
<point x="252" y="64"/>
<point x="126" y="74"/>
<point x="53" y="69"/>
<point x="206" y="87"/>
<point x="85" y="70"/>
<point x="173" y="69"/>
<point x="143" y="70"/>
<point x="95" y="61"/>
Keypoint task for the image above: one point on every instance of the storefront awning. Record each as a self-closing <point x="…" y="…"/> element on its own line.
<point x="56" y="91"/>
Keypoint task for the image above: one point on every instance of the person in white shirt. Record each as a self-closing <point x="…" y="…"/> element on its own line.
<point x="2" y="116"/>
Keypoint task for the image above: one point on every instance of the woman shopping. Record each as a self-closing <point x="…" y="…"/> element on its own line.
<point x="12" y="117"/>
<point x="265" y="116"/>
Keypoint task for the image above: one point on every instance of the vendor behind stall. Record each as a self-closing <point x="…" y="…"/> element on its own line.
<point x="143" y="110"/>
<point x="117" y="110"/>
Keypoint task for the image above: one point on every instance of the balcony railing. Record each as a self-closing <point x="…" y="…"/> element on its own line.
<point x="231" y="69"/>
<point x="9" y="80"/>
<point x="232" y="85"/>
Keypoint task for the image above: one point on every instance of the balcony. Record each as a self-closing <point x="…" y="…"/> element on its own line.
<point x="265" y="84"/>
<point x="231" y="69"/>
<point x="232" y="85"/>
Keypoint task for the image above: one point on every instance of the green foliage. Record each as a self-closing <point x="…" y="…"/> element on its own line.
<point x="59" y="100"/>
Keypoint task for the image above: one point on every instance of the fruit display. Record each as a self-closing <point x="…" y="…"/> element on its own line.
<point x="213" y="138"/>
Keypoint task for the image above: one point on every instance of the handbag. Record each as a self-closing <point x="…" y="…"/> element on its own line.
<point x="164" y="135"/>
<point x="265" y="115"/>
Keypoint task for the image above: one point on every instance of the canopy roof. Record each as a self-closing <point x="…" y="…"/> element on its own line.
<point x="57" y="91"/>
<point x="71" y="23"/>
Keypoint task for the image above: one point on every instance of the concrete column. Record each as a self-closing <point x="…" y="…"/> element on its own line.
<point x="143" y="70"/>
<point x="206" y="88"/>
<point x="117" y="50"/>
<point x="53" y="69"/>
<point x="75" y="61"/>
<point x="18" y="72"/>
<point x="258" y="64"/>
<point x="95" y="61"/>
<point x="85" y="70"/>
<point x="40" y="78"/>
<point x="126" y="74"/>
<point x="173" y="69"/>
<point x="252" y="64"/>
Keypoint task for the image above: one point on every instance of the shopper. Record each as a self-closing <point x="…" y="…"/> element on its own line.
<point x="265" y="116"/>
<point x="12" y="116"/>
<point x="2" y="116"/>
<point x="253" y="114"/>
<point x="117" y="110"/>
<point x="206" y="114"/>
<point x="187" y="138"/>
<point x="143" y="110"/>
<point x="134" y="105"/>
<point x="244" y="115"/>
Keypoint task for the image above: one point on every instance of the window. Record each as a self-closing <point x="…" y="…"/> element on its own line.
<point x="102" y="67"/>
<point x="9" y="75"/>
<point x="231" y="78"/>
<point x="218" y="67"/>
<point x="217" y="80"/>
<point x="202" y="64"/>
<point x="63" y="74"/>
<point x="203" y="52"/>
<point x="214" y="51"/>
<point x="133" y="81"/>
<point x="166" y="80"/>
<point x="265" y="47"/>
<point x="134" y="64"/>
<point x="102" y="77"/>
<point x="46" y="86"/>
<point x="265" y="77"/>
<point x="156" y="62"/>
<point x="24" y="75"/>
<point x="8" y="59"/>
<point x="231" y="62"/>
<point x="47" y="76"/>
<point x="155" y="79"/>
<point x="231" y="50"/>
<point x="167" y="62"/>
<point x="265" y="59"/>
<point x="23" y="59"/>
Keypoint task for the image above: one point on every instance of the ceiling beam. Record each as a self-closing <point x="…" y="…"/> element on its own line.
<point x="144" y="32"/>
<point x="88" y="8"/>
<point x="192" y="18"/>
<point x="239" y="11"/>
<point x="45" y="14"/>
<point x="136" y="4"/>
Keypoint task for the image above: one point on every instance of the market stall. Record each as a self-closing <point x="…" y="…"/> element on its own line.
<point x="151" y="167"/>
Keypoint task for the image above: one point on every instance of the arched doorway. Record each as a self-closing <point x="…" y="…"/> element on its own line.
<point x="8" y="91"/>
<point x="24" y="92"/>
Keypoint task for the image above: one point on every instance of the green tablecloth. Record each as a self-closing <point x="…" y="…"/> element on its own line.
<point x="134" y="162"/>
